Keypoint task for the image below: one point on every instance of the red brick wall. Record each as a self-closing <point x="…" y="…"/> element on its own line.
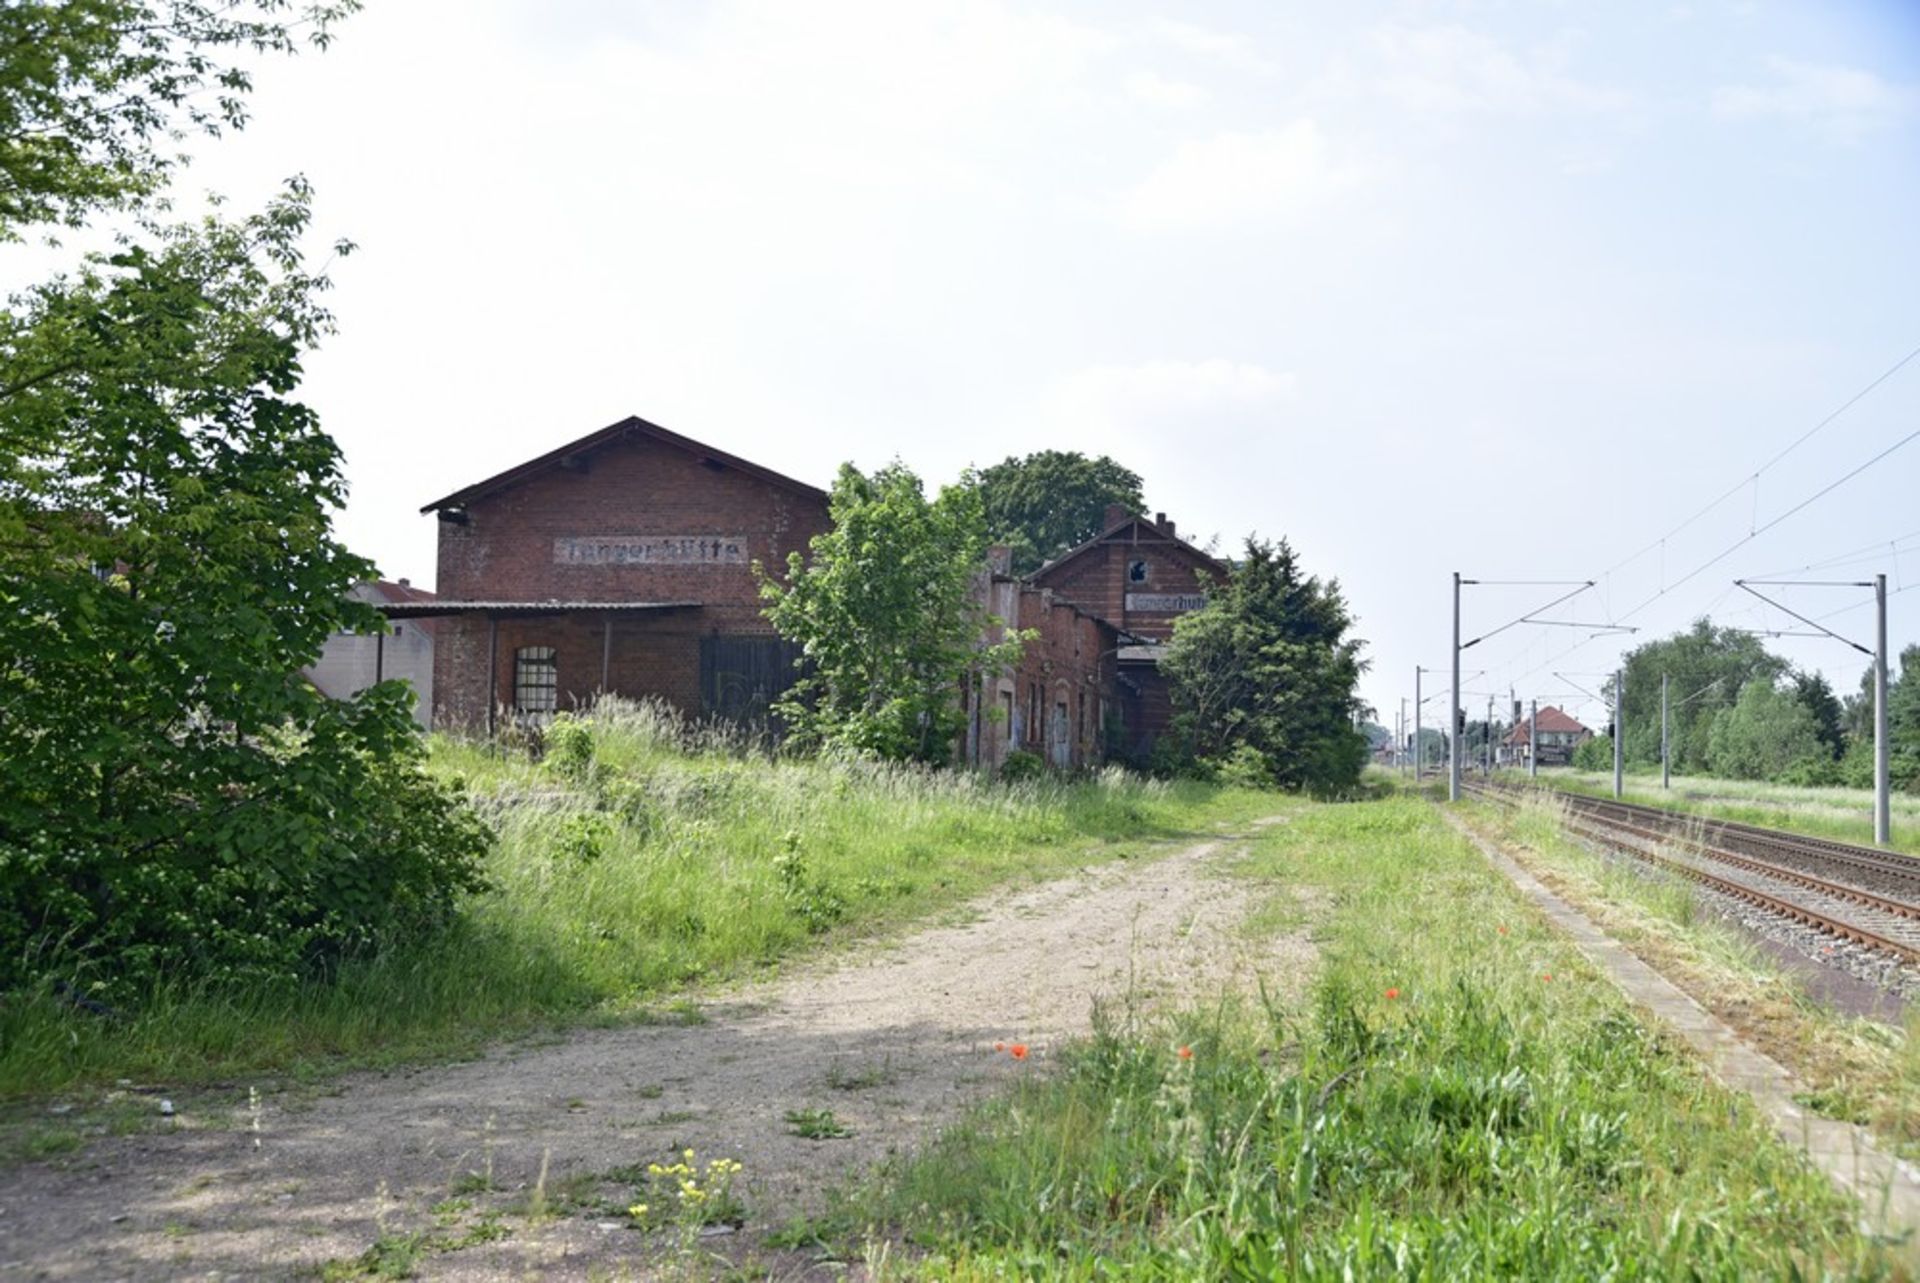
<point x="636" y="487"/>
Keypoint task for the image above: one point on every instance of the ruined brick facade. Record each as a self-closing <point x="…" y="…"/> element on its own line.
<point x="1140" y="576"/>
<point x="628" y="556"/>
<point x="1059" y="701"/>
<point x="623" y="563"/>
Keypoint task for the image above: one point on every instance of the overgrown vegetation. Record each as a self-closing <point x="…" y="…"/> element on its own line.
<point x="1857" y="1069"/>
<point x="884" y="611"/>
<point x="1459" y="1098"/>
<point x="641" y="857"/>
<point x="1262" y="678"/>
<point x="1737" y="711"/>
<point x="176" y="804"/>
<point x="1845" y="814"/>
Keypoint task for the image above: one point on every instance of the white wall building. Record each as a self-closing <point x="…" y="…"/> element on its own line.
<point x="352" y="662"/>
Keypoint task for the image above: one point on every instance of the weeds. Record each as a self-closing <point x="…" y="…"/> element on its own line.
<point x="640" y="856"/>
<point x="817" y="1124"/>
<point x="1436" y="1108"/>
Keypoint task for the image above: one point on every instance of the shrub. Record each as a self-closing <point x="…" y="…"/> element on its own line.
<point x="1022" y="765"/>
<point x="1594" y="754"/>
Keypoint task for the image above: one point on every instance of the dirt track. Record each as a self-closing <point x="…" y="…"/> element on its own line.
<point x="893" y="1042"/>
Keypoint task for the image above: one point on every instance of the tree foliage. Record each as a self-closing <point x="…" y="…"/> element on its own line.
<point x="1814" y="694"/>
<point x="177" y="798"/>
<point x="1706" y="667"/>
<point x="175" y="801"/>
<point x="1053" y="500"/>
<point x="90" y="89"/>
<point x="1268" y="665"/>
<point x="1766" y="731"/>
<point x="885" y="612"/>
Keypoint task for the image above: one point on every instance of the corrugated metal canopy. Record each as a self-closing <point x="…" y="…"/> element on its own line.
<point x="428" y="609"/>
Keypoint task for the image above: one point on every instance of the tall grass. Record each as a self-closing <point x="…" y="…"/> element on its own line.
<point x="1843" y="814"/>
<point x="654" y="856"/>
<point x="1458" y="1098"/>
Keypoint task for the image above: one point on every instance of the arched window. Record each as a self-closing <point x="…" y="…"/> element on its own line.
<point x="536" y="681"/>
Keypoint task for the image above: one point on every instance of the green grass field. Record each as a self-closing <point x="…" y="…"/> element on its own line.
<point x="666" y="859"/>
<point x="1458" y="1097"/>
<point x="1845" y="815"/>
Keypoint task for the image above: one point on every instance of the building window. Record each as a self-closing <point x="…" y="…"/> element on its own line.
<point x="1137" y="571"/>
<point x="536" y="680"/>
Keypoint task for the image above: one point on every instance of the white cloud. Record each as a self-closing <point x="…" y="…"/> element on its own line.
<point x="1841" y="104"/>
<point x="1156" y="90"/>
<point x="1234" y="178"/>
<point x="1230" y="48"/>
<point x="1453" y="69"/>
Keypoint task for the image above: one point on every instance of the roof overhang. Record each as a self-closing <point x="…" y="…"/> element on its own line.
<point x="526" y="609"/>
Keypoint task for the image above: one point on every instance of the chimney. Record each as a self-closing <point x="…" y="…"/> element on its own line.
<point x="1000" y="559"/>
<point x="1165" y="524"/>
<point x="1116" y="513"/>
<point x="404" y="582"/>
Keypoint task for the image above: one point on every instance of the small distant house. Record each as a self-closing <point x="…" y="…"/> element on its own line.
<point x="351" y="662"/>
<point x="1560" y="735"/>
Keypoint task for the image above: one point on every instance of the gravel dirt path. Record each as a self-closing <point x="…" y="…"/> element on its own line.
<point x="894" y="1040"/>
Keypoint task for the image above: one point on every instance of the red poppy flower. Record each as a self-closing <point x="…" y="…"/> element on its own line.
<point x="1185" y="1053"/>
<point x="999" y="1046"/>
<point x="1018" y="1051"/>
<point x="1501" y="930"/>
<point x="1392" y="994"/>
<point x="1546" y="975"/>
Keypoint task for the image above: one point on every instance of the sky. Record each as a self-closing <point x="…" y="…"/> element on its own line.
<point x="1513" y="290"/>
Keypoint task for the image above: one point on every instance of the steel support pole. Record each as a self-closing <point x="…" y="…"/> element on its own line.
<point x="1619" y="732"/>
<point x="1666" y="771"/>
<point x="1419" y="749"/>
<point x="1882" y="807"/>
<point x="379" y="658"/>
<point x="493" y="671"/>
<point x="1487" y="752"/>
<point x="1533" y="739"/>
<point x="606" y="653"/>
<point x="1453" y="718"/>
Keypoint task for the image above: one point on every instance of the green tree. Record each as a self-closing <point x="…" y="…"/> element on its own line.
<point x="1766" y="731"/>
<point x="177" y="799"/>
<point x="1829" y="719"/>
<point x="1693" y="661"/>
<point x="1047" y="502"/>
<point x="886" y="614"/>
<point x="90" y="88"/>
<point x="1267" y="665"/>
<point x="174" y="799"/>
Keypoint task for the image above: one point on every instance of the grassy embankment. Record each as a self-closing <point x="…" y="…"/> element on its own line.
<point x="1845" y="815"/>
<point x="1859" y="1070"/>
<point x="1458" y="1097"/>
<point x="670" y="859"/>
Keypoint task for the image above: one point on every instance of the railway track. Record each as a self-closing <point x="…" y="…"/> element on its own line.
<point x="1854" y="893"/>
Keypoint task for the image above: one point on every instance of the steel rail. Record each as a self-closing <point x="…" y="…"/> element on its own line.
<point x="1608" y="833"/>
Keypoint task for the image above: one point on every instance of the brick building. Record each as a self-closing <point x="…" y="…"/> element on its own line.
<point x="1058" y="701"/>
<point x="1138" y="576"/>
<point x="620" y="562"/>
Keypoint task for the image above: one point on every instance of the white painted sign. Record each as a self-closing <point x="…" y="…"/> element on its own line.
<point x="651" y="550"/>
<point x="1169" y="603"/>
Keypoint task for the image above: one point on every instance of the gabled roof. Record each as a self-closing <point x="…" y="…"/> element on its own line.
<point x="1160" y="533"/>
<point x="626" y="429"/>
<point x="1551" y="719"/>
